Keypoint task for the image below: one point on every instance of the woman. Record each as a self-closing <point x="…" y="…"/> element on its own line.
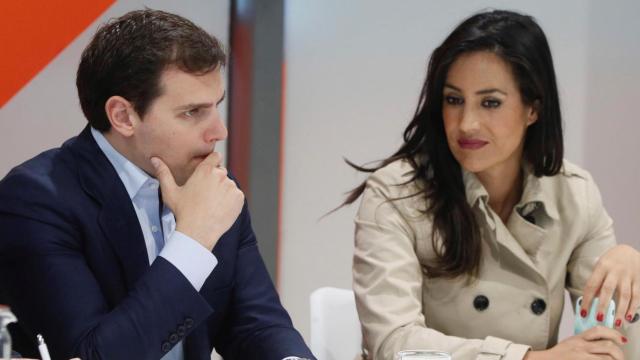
<point x="468" y="235"/>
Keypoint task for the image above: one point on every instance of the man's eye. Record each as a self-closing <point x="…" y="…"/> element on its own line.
<point x="192" y="112"/>
<point x="453" y="100"/>
<point x="491" y="103"/>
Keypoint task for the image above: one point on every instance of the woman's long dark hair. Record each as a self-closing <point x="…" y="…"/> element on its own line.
<point x="519" y="41"/>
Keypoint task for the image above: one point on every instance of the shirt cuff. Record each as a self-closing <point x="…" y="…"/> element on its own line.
<point x="193" y="260"/>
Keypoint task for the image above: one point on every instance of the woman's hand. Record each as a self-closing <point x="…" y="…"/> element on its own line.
<point x="596" y="343"/>
<point x="618" y="270"/>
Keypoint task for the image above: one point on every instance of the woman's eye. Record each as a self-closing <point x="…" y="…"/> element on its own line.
<point x="491" y="103"/>
<point x="453" y="100"/>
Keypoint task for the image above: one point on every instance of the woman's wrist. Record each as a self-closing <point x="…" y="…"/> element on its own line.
<point x="534" y="355"/>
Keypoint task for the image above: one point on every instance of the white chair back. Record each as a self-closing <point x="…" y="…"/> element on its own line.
<point x="335" y="328"/>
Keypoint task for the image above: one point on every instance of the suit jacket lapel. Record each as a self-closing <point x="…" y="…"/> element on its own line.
<point x="117" y="218"/>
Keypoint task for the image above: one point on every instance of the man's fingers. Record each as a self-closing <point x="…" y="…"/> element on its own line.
<point x="213" y="164"/>
<point x="164" y="176"/>
<point x="223" y="173"/>
<point x="214" y="159"/>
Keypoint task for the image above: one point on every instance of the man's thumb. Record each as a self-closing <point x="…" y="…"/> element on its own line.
<point x="164" y="176"/>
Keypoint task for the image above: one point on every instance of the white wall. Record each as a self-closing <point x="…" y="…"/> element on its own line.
<point x="354" y="71"/>
<point x="612" y="125"/>
<point x="46" y="111"/>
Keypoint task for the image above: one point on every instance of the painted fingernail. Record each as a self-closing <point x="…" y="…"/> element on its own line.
<point x="600" y="317"/>
<point x="624" y="340"/>
<point x="629" y="318"/>
<point x="583" y="313"/>
<point x="618" y="322"/>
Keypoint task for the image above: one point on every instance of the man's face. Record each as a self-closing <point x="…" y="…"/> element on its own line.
<point x="183" y="124"/>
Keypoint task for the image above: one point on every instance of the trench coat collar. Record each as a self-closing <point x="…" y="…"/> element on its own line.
<point x="538" y="192"/>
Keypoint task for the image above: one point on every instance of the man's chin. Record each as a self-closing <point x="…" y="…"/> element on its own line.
<point x="180" y="176"/>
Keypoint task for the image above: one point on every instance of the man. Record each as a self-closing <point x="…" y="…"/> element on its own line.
<point x="130" y="241"/>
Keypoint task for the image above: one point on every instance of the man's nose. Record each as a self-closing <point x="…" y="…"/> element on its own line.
<point x="216" y="131"/>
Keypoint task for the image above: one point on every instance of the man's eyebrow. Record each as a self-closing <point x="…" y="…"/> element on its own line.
<point x="200" y="105"/>
<point x="224" y="95"/>
<point x="194" y="106"/>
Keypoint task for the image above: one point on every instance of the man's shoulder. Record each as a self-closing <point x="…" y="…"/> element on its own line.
<point x="49" y="176"/>
<point x="48" y="165"/>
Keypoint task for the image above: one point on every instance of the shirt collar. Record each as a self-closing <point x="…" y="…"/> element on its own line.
<point x="131" y="175"/>
<point x="536" y="192"/>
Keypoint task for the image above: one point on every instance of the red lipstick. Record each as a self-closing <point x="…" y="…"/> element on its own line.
<point x="471" y="144"/>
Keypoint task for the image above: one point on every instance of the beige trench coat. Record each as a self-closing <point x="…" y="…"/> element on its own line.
<point x="551" y="242"/>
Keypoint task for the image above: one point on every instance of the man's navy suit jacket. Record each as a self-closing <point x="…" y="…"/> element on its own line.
<point x="74" y="267"/>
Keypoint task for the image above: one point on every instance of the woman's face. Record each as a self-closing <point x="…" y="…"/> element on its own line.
<point x="485" y="119"/>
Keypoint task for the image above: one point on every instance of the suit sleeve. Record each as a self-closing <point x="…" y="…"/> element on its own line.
<point x="52" y="289"/>
<point x="260" y="328"/>
<point x="387" y="281"/>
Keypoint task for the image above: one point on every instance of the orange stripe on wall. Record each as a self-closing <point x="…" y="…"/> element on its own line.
<point x="33" y="33"/>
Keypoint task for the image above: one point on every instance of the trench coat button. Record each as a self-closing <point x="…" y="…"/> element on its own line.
<point x="636" y="318"/>
<point x="165" y="347"/>
<point x="538" y="306"/>
<point x="481" y="303"/>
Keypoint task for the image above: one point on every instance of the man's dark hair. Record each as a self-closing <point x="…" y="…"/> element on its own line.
<point x="127" y="56"/>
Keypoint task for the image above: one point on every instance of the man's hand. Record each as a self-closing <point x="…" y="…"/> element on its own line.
<point x="207" y="205"/>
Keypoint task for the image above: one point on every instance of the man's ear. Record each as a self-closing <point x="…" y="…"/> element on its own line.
<point x="121" y="115"/>
<point x="532" y="115"/>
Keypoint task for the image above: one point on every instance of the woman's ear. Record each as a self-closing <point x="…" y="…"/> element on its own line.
<point x="532" y="114"/>
<point x="121" y="115"/>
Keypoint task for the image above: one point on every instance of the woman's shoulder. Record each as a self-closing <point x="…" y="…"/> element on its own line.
<point x="396" y="177"/>
<point x="571" y="170"/>
<point x="573" y="176"/>
<point x="393" y="189"/>
<point x="573" y="187"/>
